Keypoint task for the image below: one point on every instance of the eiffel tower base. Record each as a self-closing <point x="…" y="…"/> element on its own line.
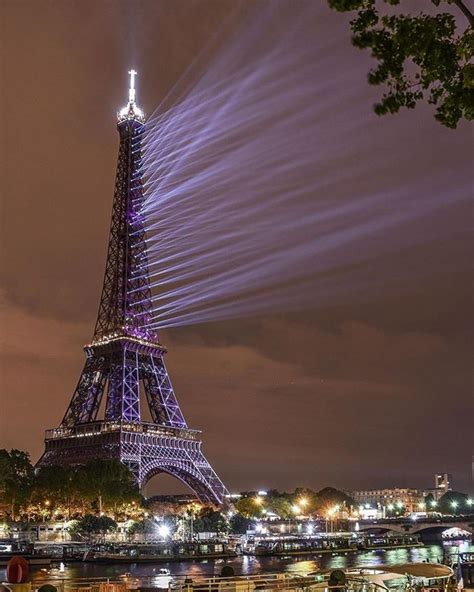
<point x="146" y="448"/>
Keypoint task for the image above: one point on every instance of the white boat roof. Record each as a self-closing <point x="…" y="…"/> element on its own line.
<point x="419" y="570"/>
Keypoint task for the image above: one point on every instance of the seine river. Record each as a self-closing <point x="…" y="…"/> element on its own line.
<point x="256" y="565"/>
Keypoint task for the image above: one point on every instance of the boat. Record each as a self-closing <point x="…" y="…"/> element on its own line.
<point x="33" y="559"/>
<point x="152" y="553"/>
<point x="286" y="545"/>
<point x="411" y="577"/>
<point x="9" y="549"/>
<point x="417" y="577"/>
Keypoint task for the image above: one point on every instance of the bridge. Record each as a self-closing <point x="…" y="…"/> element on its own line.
<point x="430" y="526"/>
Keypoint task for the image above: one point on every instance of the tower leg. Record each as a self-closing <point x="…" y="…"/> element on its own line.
<point x="162" y="401"/>
<point x="86" y="399"/>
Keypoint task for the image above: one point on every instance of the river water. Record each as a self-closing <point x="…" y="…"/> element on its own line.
<point x="246" y="565"/>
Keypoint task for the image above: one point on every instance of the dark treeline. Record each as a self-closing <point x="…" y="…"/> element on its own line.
<point x="104" y="491"/>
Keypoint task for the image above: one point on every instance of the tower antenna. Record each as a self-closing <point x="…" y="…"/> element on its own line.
<point x="131" y="90"/>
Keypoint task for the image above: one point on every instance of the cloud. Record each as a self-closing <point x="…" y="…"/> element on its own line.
<point x="40" y="362"/>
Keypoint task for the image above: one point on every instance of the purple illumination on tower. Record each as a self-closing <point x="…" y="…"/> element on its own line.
<point x="125" y="356"/>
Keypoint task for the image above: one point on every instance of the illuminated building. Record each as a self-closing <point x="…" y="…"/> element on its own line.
<point x="406" y="499"/>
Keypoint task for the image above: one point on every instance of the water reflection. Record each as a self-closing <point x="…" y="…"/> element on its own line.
<point x="253" y="565"/>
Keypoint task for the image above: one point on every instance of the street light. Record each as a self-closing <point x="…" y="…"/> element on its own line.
<point x="164" y="531"/>
<point x="295" y="509"/>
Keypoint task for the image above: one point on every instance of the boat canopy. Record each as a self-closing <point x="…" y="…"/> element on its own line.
<point x="418" y="570"/>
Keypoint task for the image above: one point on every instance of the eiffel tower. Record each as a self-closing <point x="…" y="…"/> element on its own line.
<point x="125" y="357"/>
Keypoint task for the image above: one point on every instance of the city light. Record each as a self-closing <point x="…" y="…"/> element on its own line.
<point x="164" y="531"/>
<point x="454" y="504"/>
<point x="434" y="503"/>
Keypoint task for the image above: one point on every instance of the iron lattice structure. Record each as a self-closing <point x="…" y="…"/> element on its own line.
<point x="125" y="357"/>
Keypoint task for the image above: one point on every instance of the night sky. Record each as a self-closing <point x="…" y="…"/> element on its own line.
<point x="366" y="393"/>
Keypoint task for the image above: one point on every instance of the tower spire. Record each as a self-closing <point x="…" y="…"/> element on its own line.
<point x="131" y="90"/>
<point x="131" y="111"/>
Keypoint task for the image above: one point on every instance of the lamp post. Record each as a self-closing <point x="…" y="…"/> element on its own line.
<point x="44" y="512"/>
<point x="329" y="515"/>
<point x="295" y="509"/>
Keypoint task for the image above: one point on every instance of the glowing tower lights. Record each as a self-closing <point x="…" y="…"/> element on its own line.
<point x="131" y="110"/>
<point x="125" y="356"/>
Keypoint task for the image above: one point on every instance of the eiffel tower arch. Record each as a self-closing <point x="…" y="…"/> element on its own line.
<point x="126" y="357"/>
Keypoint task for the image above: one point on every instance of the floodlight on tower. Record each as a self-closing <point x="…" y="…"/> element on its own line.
<point x="131" y="111"/>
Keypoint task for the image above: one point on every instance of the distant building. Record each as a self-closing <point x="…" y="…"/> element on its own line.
<point x="442" y="482"/>
<point x="371" y="513"/>
<point x="407" y="498"/>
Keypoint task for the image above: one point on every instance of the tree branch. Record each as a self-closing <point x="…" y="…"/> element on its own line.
<point x="465" y="10"/>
